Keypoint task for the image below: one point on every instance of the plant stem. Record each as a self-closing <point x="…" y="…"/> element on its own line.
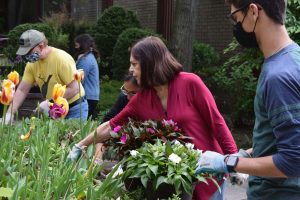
<point x="80" y="108"/>
<point x="4" y="114"/>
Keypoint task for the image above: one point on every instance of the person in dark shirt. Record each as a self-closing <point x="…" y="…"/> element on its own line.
<point x="128" y="90"/>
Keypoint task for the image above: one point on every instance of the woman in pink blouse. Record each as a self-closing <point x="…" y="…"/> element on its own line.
<point x="168" y="93"/>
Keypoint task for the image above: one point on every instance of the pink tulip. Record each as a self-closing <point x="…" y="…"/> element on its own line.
<point x="56" y="111"/>
<point x="123" y="138"/>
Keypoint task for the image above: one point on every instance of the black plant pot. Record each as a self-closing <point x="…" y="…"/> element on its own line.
<point x="132" y="184"/>
<point x="164" y="191"/>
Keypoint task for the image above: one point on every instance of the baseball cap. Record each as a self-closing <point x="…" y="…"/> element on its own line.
<point x="28" y="40"/>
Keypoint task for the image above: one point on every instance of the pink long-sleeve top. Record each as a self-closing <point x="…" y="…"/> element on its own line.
<point x="192" y="106"/>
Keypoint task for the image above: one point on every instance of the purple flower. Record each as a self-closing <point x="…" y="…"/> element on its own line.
<point x="18" y="59"/>
<point x="123" y="139"/>
<point x="56" y="111"/>
<point x="150" y="130"/>
<point x="117" y="129"/>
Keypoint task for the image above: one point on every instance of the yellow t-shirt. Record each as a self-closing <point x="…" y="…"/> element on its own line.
<point x="58" y="67"/>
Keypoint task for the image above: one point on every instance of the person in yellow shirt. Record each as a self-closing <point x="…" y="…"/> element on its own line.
<point x="47" y="66"/>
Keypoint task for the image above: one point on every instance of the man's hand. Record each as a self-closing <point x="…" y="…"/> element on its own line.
<point x="43" y="107"/>
<point x="211" y="162"/>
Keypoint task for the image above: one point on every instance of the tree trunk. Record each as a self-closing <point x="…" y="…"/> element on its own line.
<point x="183" y="31"/>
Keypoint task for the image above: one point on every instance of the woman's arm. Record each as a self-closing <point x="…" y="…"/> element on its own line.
<point x="102" y="134"/>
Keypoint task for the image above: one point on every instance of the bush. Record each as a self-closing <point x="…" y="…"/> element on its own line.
<point x="205" y="60"/>
<point x="110" y="90"/>
<point x="121" y="54"/>
<point x="111" y="23"/>
<point x="239" y="74"/>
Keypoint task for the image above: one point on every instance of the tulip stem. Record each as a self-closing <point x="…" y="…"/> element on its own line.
<point x="4" y="114"/>
<point x="80" y="108"/>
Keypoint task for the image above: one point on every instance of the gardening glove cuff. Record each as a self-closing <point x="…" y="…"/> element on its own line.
<point x="242" y="153"/>
<point x="9" y="118"/>
<point x="211" y="162"/>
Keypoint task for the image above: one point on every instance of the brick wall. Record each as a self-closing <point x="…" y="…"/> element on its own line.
<point x="88" y="10"/>
<point x="146" y="11"/>
<point x="213" y="27"/>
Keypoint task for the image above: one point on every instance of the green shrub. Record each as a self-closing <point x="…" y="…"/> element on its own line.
<point x="239" y="74"/>
<point x="111" y="23"/>
<point x="293" y="20"/>
<point x="110" y="90"/>
<point x="120" y="57"/>
<point x="205" y="60"/>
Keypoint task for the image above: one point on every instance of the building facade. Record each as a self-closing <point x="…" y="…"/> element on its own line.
<point x="212" y="27"/>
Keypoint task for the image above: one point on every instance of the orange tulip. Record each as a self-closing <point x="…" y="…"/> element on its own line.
<point x="58" y="91"/>
<point x="8" y="91"/>
<point x="62" y="101"/>
<point x="14" y="77"/>
<point x="79" y="75"/>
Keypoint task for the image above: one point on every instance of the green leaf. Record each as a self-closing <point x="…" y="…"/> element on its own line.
<point x="144" y="180"/>
<point x="6" y="192"/>
<point x="153" y="168"/>
<point x="169" y="149"/>
<point x="159" y="181"/>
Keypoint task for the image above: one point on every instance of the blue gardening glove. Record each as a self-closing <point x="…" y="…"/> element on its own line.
<point x="211" y="162"/>
<point x="74" y="154"/>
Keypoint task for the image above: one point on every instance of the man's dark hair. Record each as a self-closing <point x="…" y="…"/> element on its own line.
<point x="129" y="78"/>
<point x="275" y="9"/>
<point x="158" y="65"/>
<point x="87" y="44"/>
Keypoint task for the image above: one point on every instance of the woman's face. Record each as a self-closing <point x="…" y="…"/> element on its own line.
<point x="135" y="67"/>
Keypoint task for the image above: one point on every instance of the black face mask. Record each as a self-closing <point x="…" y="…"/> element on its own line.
<point x="247" y="40"/>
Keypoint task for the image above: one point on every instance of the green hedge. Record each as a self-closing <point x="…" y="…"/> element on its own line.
<point x="111" y="23"/>
<point x="120" y="57"/>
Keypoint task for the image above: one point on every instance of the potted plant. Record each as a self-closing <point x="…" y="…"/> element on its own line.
<point x="135" y="133"/>
<point x="164" y="169"/>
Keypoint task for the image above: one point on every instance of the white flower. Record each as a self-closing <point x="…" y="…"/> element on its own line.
<point x="199" y="151"/>
<point x="176" y="142"/>
<point x="133" y="153"/>
<point x="118" y="198"/>
<point x="174" y="158"/>
<point x="189" y="145"/>
<point x="118" y="172"/>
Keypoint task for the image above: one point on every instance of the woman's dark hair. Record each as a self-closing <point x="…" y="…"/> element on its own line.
<point x="87" y="44"/>
<point x="275" y="9"/>
<point x="158" y="65"/>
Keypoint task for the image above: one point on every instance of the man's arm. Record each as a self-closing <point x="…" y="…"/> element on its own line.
<point x="19" y="96"/>
<point x="263" y="166"/>
<point x="72" y="90"/>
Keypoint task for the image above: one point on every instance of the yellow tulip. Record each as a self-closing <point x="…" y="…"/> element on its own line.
<point x="8" y="91"/>
<point x="79" y="75"/>
<point x="62" y="101"/>
<point x="27" y="135"/>
<point x="32" y="127"/>
<point x="14" y="77"/>
<point x="58" y="91"/>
